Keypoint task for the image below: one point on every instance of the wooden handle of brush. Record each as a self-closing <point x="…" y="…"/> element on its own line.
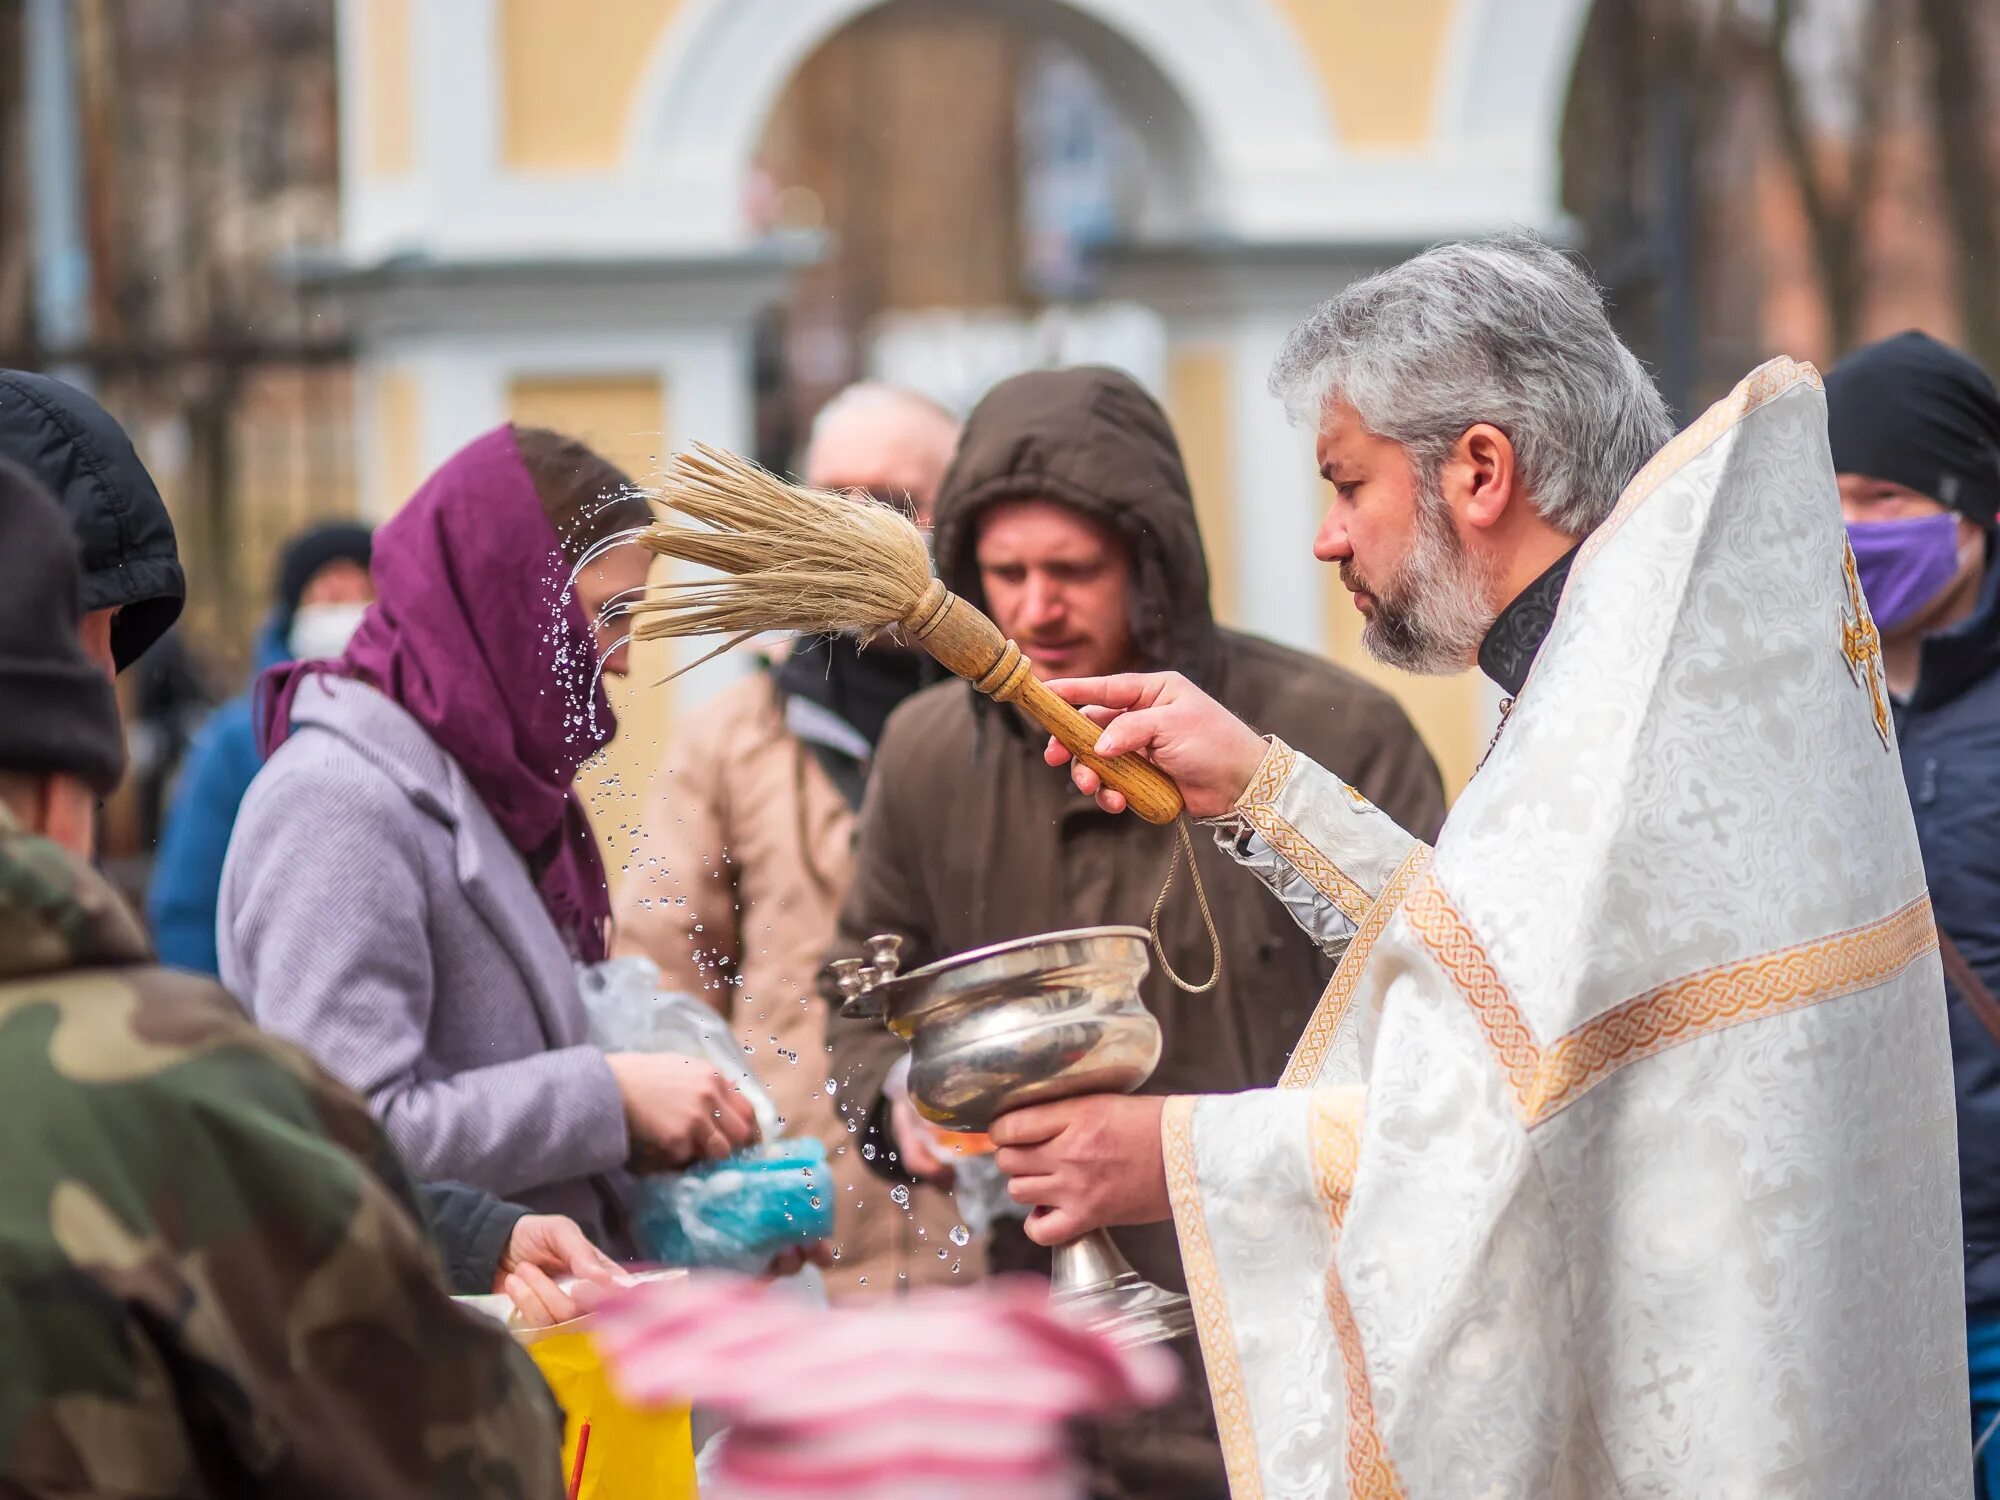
<point x="963" y="639"/>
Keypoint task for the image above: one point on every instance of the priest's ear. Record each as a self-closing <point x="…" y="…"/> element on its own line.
<point x="1479" y="479"/>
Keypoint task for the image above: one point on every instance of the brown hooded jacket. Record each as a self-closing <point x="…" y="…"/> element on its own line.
<point x="968" y="838"/>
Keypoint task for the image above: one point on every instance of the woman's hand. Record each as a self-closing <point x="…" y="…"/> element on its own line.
<point x="542" y="1248"/>
<point x="1210" y="753"/>
<point x="680" y="1110"/>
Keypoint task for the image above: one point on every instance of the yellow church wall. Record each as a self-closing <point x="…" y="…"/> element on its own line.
<point x="1198" y="397"/>
<point x="1449" y="712"/>
<point x="1379" y="64"/>
<point x="386" y="63"/>
<point x="623" y="417"/>
<point x="570" y="76"/>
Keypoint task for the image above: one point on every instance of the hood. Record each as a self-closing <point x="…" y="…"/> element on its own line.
<point x="74" y="446"/>
<point x="56" y="912"/>
<point x="1092" y="439"/>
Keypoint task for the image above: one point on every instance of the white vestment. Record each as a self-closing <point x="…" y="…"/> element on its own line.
<point x="1619" y="1158"/>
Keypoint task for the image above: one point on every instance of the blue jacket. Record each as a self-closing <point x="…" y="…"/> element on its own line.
<point x="1950" y="736"/>
<point x="187" y="871"/>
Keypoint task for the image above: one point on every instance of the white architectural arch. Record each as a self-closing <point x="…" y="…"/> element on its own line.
<point x="1244" y="111"/>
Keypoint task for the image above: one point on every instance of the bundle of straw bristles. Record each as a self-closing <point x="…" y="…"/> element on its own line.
<point x="813" y="562"/>
<point x="820" y="562"/>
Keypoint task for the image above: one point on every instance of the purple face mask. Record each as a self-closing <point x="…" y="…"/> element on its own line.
<point x="1904" y="564"/>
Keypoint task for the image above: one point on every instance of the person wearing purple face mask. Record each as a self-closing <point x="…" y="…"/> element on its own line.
<point x="412" y="883"/>
<point x="1915" y="428"/>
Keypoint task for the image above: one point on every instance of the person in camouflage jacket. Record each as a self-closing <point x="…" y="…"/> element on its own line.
<point x="213" y="1280"/>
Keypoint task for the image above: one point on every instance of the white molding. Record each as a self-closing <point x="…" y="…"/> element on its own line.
<point x="1238" y="73"/>
<point x="1280" y="586"/>
<point x="1244" y="142"/>
<point x="1532" y="45"/>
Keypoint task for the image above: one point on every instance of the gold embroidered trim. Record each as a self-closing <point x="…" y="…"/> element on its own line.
<point x="1765" y="383"/>
<point x="1336" y="1151"/>
<point x="1544" y="1081"/>
<point x="1273" y="771"/>
<point x="1327" y="878"/>
<point x="1257" y="807"/>
<point x="1310" y="1054"/>
<point x="1211" y="1303"/>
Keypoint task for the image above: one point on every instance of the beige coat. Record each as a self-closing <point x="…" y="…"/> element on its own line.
<point x="743" y="861"/>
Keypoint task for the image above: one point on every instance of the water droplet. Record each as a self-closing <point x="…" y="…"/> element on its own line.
<point x="813" y="1201"/>
<point x="863" y="1280"/>
<point x="868" y="1151"/>
<point x="960" y="1235"/>
<point x="900" y="1195"/>
<point x="942" y="1252"/>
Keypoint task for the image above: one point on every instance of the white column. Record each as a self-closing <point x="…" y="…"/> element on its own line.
<point x="456" y="115"/>
<point x="462" y="393"/>
<point x="709" y="400"/>
<point x="1279" y="586"/>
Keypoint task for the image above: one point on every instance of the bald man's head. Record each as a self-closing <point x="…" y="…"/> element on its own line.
<point x="880" y="438"/>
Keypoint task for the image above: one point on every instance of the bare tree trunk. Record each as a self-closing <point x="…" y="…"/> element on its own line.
<point x="1836" y="219"/>
<point x="1959" y="112"/>
<point x="17" y="310"/>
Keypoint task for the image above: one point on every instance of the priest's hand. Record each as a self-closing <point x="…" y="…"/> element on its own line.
<point x="1084" y="1163"/>
<point x="1210" y="753"/>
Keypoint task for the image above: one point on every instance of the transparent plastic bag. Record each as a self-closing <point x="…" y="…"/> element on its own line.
<point x="629" y="1012"/>
<point x="737" y="1213"/>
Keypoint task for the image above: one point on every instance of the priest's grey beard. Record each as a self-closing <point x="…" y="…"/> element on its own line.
<point x="1431" y="613"/>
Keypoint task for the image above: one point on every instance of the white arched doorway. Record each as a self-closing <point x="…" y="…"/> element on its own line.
<point x="1229" y="102"/>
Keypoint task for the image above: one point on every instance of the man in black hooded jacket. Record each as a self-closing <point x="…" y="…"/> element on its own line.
<point x="1915" y="428"/>
<point x="133" y="588"/>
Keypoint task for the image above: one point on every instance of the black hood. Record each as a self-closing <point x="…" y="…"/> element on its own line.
<point x="70" y="443"/>
<point x="1092" y="439"/>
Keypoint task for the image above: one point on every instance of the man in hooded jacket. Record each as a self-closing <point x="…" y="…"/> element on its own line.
<point x="967" y="839"/>
<point x="133" y="588"/>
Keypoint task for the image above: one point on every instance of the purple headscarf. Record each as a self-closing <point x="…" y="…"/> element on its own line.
<point x="470" y="636"/>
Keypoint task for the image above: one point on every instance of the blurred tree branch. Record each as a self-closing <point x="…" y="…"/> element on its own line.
<point x="1961" y="119"/>
<point x="1836" y="212"/>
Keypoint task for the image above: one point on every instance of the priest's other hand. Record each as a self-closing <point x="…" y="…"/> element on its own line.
<point x="1210" y="753"/>
<point x="1084" y="1163"/>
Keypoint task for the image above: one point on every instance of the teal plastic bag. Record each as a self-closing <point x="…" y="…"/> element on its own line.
<point x="737" y="1213"/>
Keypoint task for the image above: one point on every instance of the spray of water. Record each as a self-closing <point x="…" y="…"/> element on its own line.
<point x="598" y="676"/>
<point x="597" y="549"/>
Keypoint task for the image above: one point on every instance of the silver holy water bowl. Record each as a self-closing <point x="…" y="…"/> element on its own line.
<point x="1026" y="1022"/>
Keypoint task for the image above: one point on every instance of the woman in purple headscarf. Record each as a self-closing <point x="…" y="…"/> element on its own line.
<point x="412" y="881"/>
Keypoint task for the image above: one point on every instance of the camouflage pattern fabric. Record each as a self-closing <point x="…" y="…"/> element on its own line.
<point x="212" y="1276"/>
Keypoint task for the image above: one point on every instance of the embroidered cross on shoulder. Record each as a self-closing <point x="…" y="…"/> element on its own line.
<point x="1861" y="644"/>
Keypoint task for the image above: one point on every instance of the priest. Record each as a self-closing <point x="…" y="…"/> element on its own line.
<point x="1618" y="1157"/>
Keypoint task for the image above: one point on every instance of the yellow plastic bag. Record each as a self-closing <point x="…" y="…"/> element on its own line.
<point x="630" y="1455"/>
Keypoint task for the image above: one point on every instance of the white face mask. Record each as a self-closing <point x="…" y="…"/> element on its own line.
<point x="323" y="630"/>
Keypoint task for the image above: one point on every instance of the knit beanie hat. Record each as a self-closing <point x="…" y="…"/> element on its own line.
<point x="1919" y="414"/>
<point x="306" y="554"/>
<point x="57" y="708"/>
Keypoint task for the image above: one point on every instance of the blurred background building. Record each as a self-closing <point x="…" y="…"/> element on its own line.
<point x="306" y="248"/>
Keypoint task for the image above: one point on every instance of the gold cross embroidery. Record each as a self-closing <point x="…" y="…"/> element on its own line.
<point x="1861" y="644"/>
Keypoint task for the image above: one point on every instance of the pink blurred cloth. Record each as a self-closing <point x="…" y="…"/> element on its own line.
<point x="962" y="1394"/>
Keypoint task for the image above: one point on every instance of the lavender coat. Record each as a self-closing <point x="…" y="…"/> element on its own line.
<point x="373" y="912"/>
